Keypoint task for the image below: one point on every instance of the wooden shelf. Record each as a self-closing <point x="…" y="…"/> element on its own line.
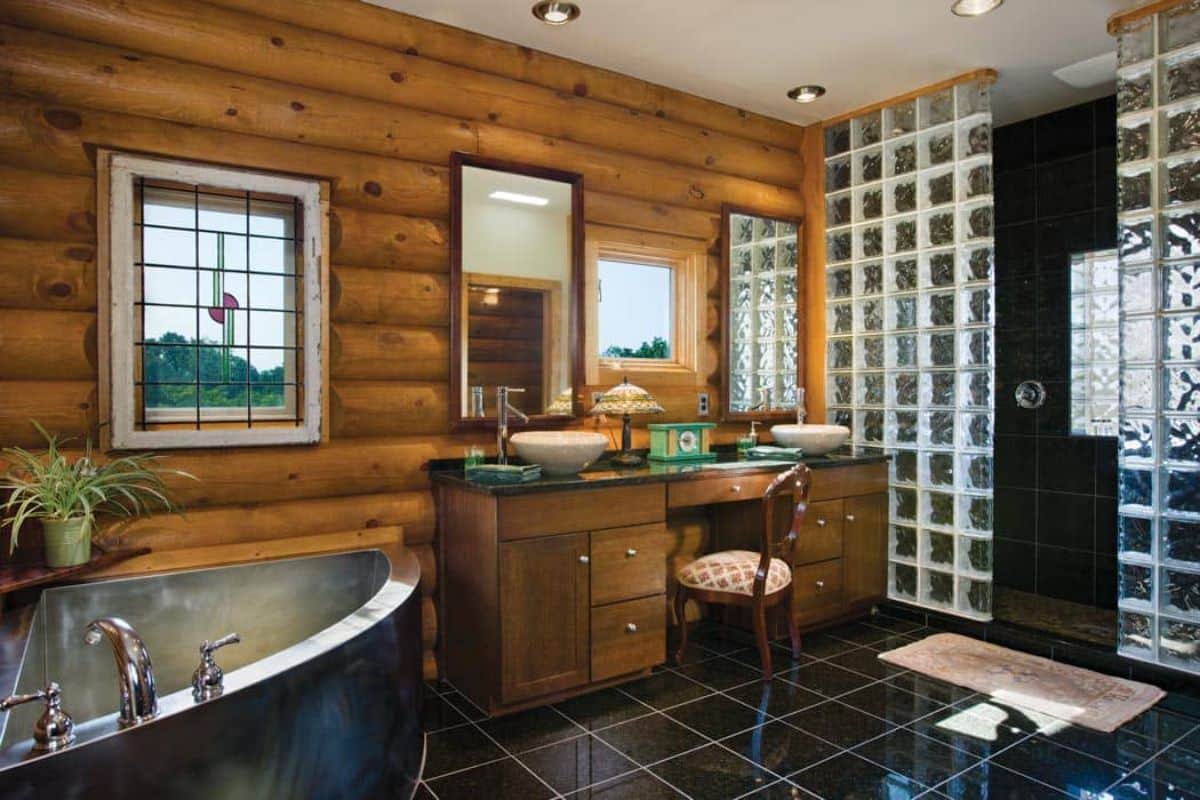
<point x="22" y="575"/>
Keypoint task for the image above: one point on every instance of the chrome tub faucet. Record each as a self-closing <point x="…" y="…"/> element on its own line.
<point x="135" y="674"/>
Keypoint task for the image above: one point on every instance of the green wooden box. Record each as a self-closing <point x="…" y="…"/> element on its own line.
<point x="681" y="441"/>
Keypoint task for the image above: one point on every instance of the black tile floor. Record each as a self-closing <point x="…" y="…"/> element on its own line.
<point x="836" y="723"/>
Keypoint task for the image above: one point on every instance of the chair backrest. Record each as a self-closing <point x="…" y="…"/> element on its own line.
<point x="799" y="478"/>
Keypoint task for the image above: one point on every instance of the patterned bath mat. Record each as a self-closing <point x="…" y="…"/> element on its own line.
<point x="1076" y="695"/>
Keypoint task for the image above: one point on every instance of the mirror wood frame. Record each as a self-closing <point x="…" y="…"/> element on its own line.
<point x="727" y="211"/>
<point x="573" y="327"/>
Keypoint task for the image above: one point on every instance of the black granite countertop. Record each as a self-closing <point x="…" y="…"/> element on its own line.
<point x="605" y="473"/>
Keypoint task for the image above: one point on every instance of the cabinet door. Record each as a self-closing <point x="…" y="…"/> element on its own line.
<point x="544" y="615"/>
<point x="864" y="547"/>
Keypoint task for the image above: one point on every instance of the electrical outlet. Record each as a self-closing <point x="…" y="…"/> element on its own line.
<point x="702" y="405"/>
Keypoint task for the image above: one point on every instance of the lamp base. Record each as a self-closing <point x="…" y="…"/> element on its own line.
<point x="628" y="459"/>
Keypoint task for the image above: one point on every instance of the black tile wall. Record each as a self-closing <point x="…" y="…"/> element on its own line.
<point x="1055" y="525"/>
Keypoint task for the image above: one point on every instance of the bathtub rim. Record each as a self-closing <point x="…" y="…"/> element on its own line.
<point x="400" y="585"/>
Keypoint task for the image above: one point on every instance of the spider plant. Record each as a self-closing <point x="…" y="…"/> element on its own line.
<point x="51" y="486"/>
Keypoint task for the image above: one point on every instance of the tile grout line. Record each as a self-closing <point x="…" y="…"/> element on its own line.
<point x="1158" y="753"/>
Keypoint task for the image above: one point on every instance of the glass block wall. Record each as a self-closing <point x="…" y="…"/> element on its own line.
<point x="909" y="256"/>
<point x="1158" y="151"/>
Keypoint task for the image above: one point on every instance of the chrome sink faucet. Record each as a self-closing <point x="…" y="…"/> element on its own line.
<point x="135" y="674"/>
<point x="503" y="409"/>
<point x="801" y="413"/>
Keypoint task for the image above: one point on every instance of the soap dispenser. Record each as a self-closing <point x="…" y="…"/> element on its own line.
<point x="748" y="441"/>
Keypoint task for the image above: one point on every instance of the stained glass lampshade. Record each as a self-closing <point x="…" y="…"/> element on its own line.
<point x="626" y="399"/>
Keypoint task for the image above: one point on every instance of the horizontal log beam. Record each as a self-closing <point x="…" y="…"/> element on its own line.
<point x="388" y="353"/>
<point x="387" y="240"/>
<point x="389" y="408"/>
<point x="35" y="205"/>
<point x="47" y="275"/>
<point x="389" y="296"/>
<point x="47" y="345"/>
<point x="65" y="408"/>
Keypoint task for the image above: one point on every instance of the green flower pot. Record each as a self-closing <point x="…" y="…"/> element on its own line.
<point x="68" y="542"/>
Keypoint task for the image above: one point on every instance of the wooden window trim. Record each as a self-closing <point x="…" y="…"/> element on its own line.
<point x="115" y="173"/>
<point x="688" y="260"/>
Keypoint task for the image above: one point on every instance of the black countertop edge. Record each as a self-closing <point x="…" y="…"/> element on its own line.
<point x="603" y="473"/>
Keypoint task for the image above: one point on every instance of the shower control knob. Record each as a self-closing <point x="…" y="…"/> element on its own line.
<point x="208" y="681"/>
<point x="54" y="730"/>
<point x="1030" y="394"/>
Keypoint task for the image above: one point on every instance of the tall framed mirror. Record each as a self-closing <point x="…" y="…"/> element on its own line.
<point x="516" y="283"/>
<point x="762" y="308"/>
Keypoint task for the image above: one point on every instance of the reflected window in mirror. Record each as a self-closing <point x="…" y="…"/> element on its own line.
<point x="515" y="273"/>
<point x="763" y="302"/>
<point x="1095" y="341"/>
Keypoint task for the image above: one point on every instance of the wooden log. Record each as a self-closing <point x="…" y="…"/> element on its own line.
<point x="429" y="39"/>
<point x="47" y="275"/>
<point x="626" y="212"/>
<point x="34" y="205"/>
<point x="428" y="560"/>
<point x="217" y="37"/>
<point x="211" y="527"/>
<point x="429" y="666"/>
<point x="389" y="296"/>
<point x="55" y="138"/>
<point x="387" y="240"/>
<point x="47" y="345"/>
<point x="429" y="623"/>
<point x="389" y="408"/>
<point x="65" y="408"/>
<point x="388" y="353"/>
<point x="62" y="70"/>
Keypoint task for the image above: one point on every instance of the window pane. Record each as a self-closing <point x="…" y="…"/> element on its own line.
<point x="635" y="310"/>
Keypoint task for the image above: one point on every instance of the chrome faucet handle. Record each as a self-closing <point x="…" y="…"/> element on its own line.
<point x="55" y="729"/>
<point x="208" y="681"/>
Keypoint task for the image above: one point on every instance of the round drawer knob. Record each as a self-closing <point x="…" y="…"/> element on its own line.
<point x="820" y="584"/>
<point x="584" y="560"/>
<point x="735" y="489"/>
<point x="820" y="523"/>
<point x="630" y="553"/>
<point x="849" y="518"/>
<point x="631" y="628"/>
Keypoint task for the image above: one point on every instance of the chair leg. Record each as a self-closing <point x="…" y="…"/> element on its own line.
<point x="760" y="635"/>
<point x="681" y="617"/>
<point x="793" y="628"/>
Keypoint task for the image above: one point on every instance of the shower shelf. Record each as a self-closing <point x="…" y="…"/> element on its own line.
<point x="25" y="574"/>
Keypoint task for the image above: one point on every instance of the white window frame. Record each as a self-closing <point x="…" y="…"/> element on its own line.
<point x="118" y="172"/>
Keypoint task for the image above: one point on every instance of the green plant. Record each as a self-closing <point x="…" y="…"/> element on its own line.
<point x="52" y="486"/>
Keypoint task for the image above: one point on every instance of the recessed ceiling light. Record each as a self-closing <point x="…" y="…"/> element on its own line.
<point x="517" y="197"/>
<point x="806" y="93"/>
<point x="555" y="12"/>
<point x="975" y="8"/>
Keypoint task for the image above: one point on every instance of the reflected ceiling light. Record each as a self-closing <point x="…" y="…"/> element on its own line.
<point x="806" y="93"/>
<point x="555" y="12"/>
<point x="975" y="8"/>
<point x="517" y="197"/>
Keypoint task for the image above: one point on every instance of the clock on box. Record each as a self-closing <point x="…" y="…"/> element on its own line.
<point x="681" y="441"/>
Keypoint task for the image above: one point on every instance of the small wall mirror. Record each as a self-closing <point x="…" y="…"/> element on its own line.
<point x="762" y="301"/>
<point x="516" y="275"/>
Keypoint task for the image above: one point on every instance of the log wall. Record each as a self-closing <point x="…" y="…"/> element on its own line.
<point x="375" y="102"/>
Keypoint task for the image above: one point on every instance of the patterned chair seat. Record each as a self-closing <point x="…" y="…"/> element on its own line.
<point x="733" y="571"/>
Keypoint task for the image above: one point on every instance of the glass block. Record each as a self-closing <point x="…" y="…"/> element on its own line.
<point x="904" y="503"/>
<point x="903" y="580"/>
<point x="764" y="355"/>
<point x="788" y="255"/>
<point x="901" y="274"/>
<point x="1137" y="390"/>
<point x="764" y="291"/>
<point x="867" y="130"/>
<point x="901" y="157"/>
<point x="837" y="210"/>
<point x="976" y="348"/>
<point x="938" y="589"/>
<point x="741" y="261"/>
<point x="1137" y="289"/>
<point x="975" y="513"/>
<point x="937" y="349"/>
<point x="766" y="321"/>
<point x="740" y="356"/>
<point x="937" y="389"/>
<point x="937" y="228"/>
<point x="901" y="351"/>
<point x="839" y="282"/>
<point x="1135" y="90"/>
<point x="868" y="166"/>
<point x="975" y="389"/>
<point x="937" y="549"/>
<point x="936" y="108"/>
<point x="938" y="188"/>
<point x="937" y="269"/>
<point x="741" y="295"/>
<point x="975" y="221"/>
<point x="837" y="139"/>
<point x="840" y="390"/>
<point x="975" y="597"/>
<point x="901" y="427"/>
<point x="837" y="174"/>
<point x="1181" y="543"/>
<point x="1182" y="130"/>
<point x="870" y="388"/>
<point x="870" y="203"/>
<point x="870" y="278"/>
<point x="1182" y="441"/>
<point x="839" y="246"/>
<point x="976" y="306"/>
<point x="1180" y="75"/>
<point x="1137" y="339"/>
<point x="902" y="541"/>
<point x="1133" y="139"/>
<point x="900" y="119"/>
<point x="902" y="312"/>
<point x="902" y="389"/>
<point x="742" y="229"/>
<point x="842" y="416"/>
<point x="1181" y="337"/>
<point x="1178" y="26"/>
<point x="1135" y="537"/>
<point x="1135" y="586"/>
<point x="741" y="325"/>
<point x="1180" y="496"/>
<point x="902" y="235"/>
<point x="1136" y="636"/>
<point x="973" y="98"/>
<point x="1135" y="43"/>
<point x="764" y="228"/>
<point x="937" y="309"/>
<point x="788" y="322"/>
<point x="870" y="241"/>
<point x="870" y="352"/>
<point x="975" y="138"/>
<point x="1134" y="189"/>
<point x="904" y="466"/>
<point x="1179" y="644"/>
<point x="1179" y="592"/>
<point x="977" y="434"/>
<point x="1181" y="285"/>
<point x="935" y="147"/>
<point x="975" y="470"/>
<point x="975" y="180"/>
<point x="764" y="258"/>
<point x="1135" y="489"/>
<point x="937" y="470"/>
<point x="869" y="426"/>
<point x="937" y="428"/>
<point x="786" y="286"/>
<point x="1135" y="240"/>
<point x="1181" y="181"/>
<point x="901" y="196"/>
<point x="1136" y="438"/>
<point x="1182" y="388"/>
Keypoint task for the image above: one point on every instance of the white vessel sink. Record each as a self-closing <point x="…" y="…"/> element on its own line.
<point x="814" y="440"/>
<point x="559" y="452"/>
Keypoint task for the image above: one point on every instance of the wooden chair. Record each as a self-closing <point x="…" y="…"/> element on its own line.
<point x="758" y="581"/>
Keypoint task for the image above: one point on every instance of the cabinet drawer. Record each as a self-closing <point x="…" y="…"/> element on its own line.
<point x="629" y="562"/>
<point x="818" y="585"/>
<point x="820" y="536"/>
<point x="830" y="483"/>
<point x="543" y="513"/>
<point x="628" y="637"/>
<point x="703" y="491"/>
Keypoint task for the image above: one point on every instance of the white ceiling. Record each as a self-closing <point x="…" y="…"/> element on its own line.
<point x="748" y="53"/>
